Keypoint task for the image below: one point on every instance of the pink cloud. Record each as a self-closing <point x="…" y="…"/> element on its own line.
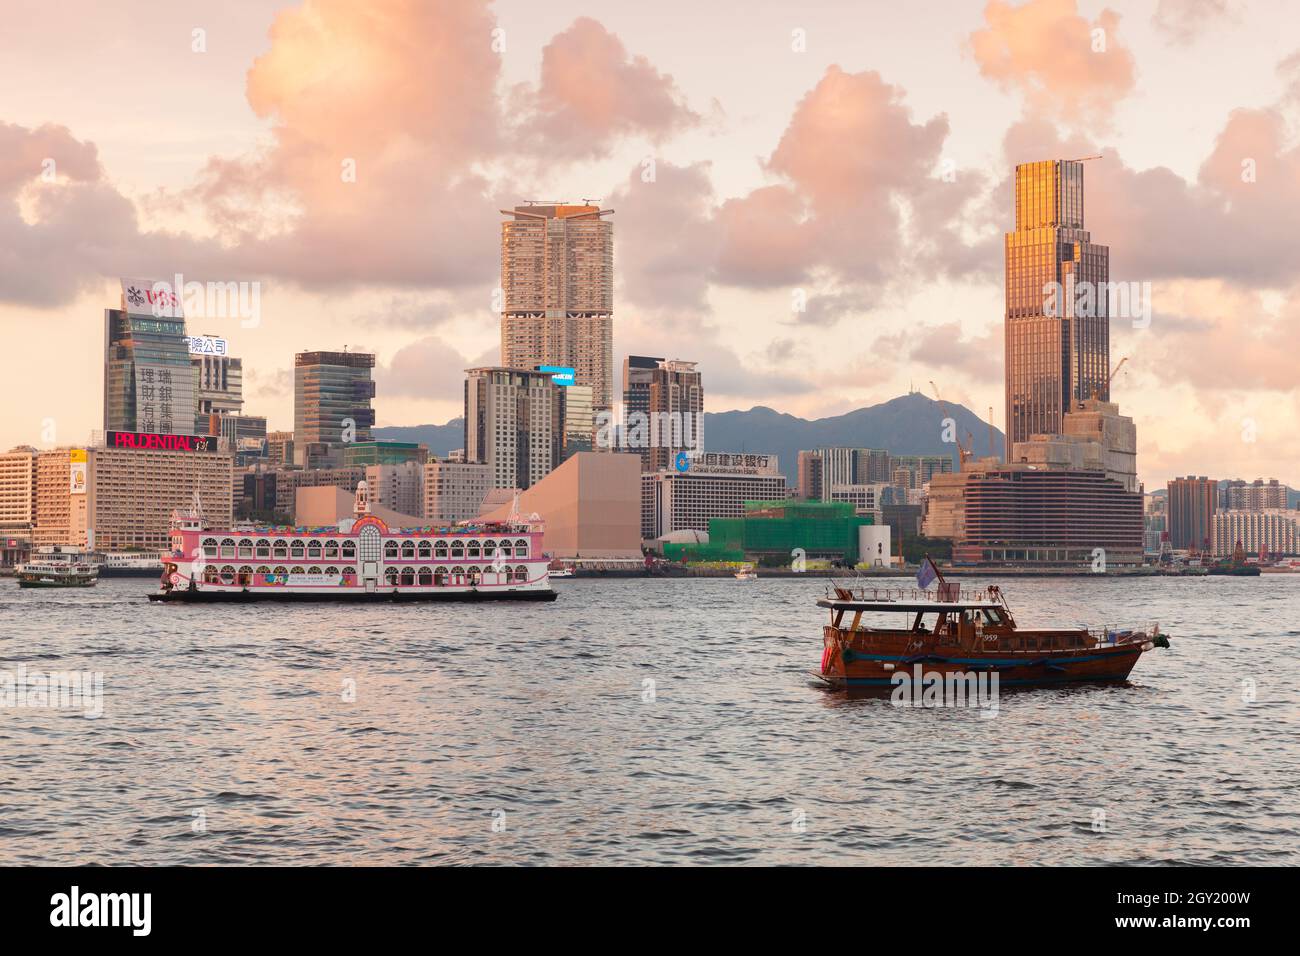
<point x="1064" y="64"/>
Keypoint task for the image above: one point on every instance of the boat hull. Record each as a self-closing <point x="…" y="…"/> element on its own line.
<point x="185" y="596"/>
<point x="56" y="584"/>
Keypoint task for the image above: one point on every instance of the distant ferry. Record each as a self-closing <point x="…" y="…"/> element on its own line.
<point x="359" y="559"/>
<point x="58" y="567"/>
<point x="128" y="564"/>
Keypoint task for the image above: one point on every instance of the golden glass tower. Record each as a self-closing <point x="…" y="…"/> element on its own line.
<point x="1057" y="291"/>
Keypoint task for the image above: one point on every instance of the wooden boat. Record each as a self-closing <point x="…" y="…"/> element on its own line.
<point x="957" y="632"/>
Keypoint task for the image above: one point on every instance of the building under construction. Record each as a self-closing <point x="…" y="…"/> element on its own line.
<point x="778" y="531"/>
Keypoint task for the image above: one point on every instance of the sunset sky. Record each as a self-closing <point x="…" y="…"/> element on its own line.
<point x="860" y="152"/>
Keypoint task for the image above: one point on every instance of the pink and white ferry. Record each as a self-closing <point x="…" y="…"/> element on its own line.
<point x="360" y="559"/>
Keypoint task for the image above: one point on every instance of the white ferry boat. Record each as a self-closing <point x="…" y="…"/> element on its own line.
<point x="56" y="566"/>
<point x="359" y="559"/>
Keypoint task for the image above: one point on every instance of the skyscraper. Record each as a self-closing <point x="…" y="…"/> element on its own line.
<point x="219" y="380"/>
<point x="514" y="421"/>
<point x="676" y="412"/>
<point x="1192" y="505"/>
<point x="331" y="399"/>
<point x="557" y="282"/>
<point x="148" y="380"/>
<point x="1057" y="318"/>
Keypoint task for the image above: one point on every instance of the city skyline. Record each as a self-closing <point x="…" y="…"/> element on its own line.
<point x="741" y="218"/>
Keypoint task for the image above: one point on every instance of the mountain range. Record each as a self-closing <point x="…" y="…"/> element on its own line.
<point x="907" y="425"/>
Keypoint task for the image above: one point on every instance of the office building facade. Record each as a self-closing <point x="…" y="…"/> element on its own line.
<point x="332" y="394"/>
<point x="1057" y="332"/>
<point x="454" y="490"/>
<point x="149" y="382"/>
<point x="1192" y="504"/>
<point x="514" y="422"/>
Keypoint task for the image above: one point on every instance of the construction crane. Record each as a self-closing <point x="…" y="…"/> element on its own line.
<point x="1082" y="159"/>
<point x="1096" y="390"/>
<point x="992" y="443"/>
<point x="963" y="454"/>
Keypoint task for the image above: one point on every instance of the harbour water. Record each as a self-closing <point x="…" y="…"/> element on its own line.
<point x="637" y="722"/>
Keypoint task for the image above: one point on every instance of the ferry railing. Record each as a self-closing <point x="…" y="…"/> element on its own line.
<point x="858" y="592"/>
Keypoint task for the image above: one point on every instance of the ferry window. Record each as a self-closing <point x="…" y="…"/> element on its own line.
<point x="505" y="549"/>
<point x="521" y="573"/>
<point x="489" y="548"/>
<point x="295" y="550"/>
<point x="521" y="548"/>
<point x="390" y="549"/>
<point x="426" y="550"/>
<point x="210" y="547"/>
<point x="440" y="550"/>
<point x="245" y="548"/>
<point x="440" y="577"/>
<point x="349" y="572"/>
<point x="227" y="575"/>
<point x="408" y="576"/>
<point x="313" y="549"/>
<point x="297" y="569"/>
<point x="458" y="572"/>
<point x="349" y="549"/>
<point x="331" y="549"/>
<point x="370" y="543"/>
<point x="408" y="549"/>
<point x="458" y="549"/>
<point x="227" y="547"/>
<point x="426" y="576"/>
<point x="263" y="569"/>
<point x="210" y="574"/>
<point x="473" y="550"/>
<point x="331" y="571"/>
<point x="475" y="575"/>
<point x="313" y="570"/>
<point x="280" y="548"/>
<point x="280" y="570"/>
<point x="245" y="575"/>
<point x="263" y="548"/>
<point x="390" y="576"/>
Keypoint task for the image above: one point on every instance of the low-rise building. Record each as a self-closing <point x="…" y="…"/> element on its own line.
<point x="454" y="490"/>
<point x="714" y="485"/>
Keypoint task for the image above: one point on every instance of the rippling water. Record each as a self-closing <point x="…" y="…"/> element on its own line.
<point x="522" y="734"/>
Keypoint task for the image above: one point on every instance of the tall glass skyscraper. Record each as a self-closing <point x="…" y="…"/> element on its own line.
<point x="149" y="383"/>
<point x="329" y="390"/>
<point x="1057" y="317"/>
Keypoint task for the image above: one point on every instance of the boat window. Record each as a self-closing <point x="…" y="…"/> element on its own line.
<point x="313" y="548"/>
<point x="440" y="550"/>
<point x="349" y="572"/>
<point x="458" y="549"/>
<point x="313" y="570"/>
<point x="349" y="549"/>
<point x="280" y="570"/>
<point x="210" y="574"/>
<point x="521" y="548"/>
<point x="475" y="575"/>
<point x="458" y="571"/>
<point x="505" y="549"/>
<point x="390" y="576"/>
<point x="296" y="549"/>
<point x="426" y="550"/>
<point x="332" y="571"/>
<point x="370" y="543"/>
<point x="263" y="569"/>
<point x="408" y="549"/>
<point x="489" y="548"/>
<point x="390" y="549"/>
<point x="245" y="548"/>
<point x="227" y="547"/>
<point x="521" y="573"/>
<point x="263" y="548"/>
<point x="408" y="576"/>
<point x="426" y="576"/>
<point x="440" y="577"/>
<point x="280" y="548"/>
<point x="296" y="569"/>
<point x="210" y="547"/>
<point x="228" y="575"/>
<point x="331" y="549"/>
<point x="473" y="550"/>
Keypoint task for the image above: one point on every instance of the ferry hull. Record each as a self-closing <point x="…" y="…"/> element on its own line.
<point x="184" y="596"/>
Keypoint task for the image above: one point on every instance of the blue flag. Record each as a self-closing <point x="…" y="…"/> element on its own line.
<point x="926" y="574"/>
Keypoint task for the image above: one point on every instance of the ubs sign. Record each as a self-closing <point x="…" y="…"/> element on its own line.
<point x="151" y="441"/>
